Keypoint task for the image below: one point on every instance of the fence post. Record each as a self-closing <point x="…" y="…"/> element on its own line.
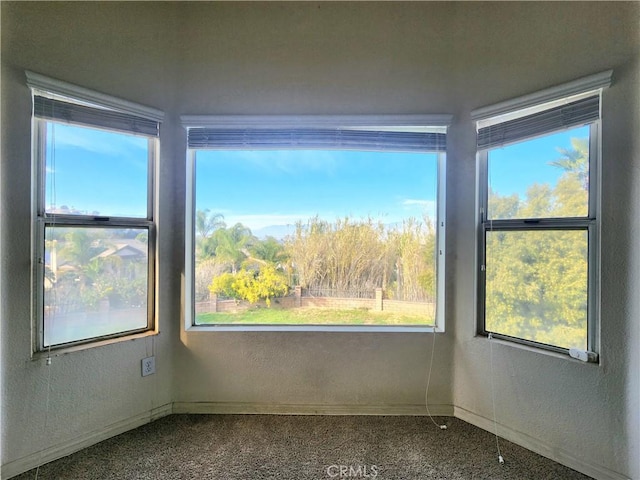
<point x="378" y="299"/>
<point x="298" y="295"/>
<point x="213" y="302"/>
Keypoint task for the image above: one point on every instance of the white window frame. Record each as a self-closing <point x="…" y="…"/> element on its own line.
<point x="545" y="100"/>
<point x="380" y="123"/>
<point x="57" y="90"/>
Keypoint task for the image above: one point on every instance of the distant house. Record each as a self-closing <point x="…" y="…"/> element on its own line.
<point x="131" y="250"/>
<point x="131" y="258"/>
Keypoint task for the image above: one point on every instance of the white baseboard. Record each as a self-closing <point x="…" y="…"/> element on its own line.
<point x="16" y="467"/>
<point x="556" y="454"/>
<point x="308" y="409"/>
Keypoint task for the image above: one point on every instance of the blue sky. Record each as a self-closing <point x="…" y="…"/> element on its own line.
<point x="94" y="170"/>
<point x="276" y="187"/>
<point x="513" y="168"/>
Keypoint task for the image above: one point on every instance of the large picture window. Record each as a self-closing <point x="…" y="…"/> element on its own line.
<point x="94" y="222"/>
<point x="316" y="226"/>
<point x="539" y="223"/>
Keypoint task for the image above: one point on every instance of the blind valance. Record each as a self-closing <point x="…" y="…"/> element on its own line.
<point x="67" y="112"/>
<point x="573" y="114"/>
<point x="317" y="138"/>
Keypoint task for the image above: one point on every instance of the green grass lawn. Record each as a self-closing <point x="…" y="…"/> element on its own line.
<point x="312" y="316"/>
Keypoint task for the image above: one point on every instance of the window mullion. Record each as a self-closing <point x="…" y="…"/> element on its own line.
<point x="152" y="281"/>
<point x="538" y="224"/>
<point x="190" y="242"/>
<point x="594" y="169"/>
<point x="152" y="144"/>
<point x="38" y="242"/>
<point x="593" y="308"/>
<point x="483" y="196"/>
<point x="441" y="240"/>
<point x="38" y="273"/>
<point x="39" y="154"/>
<point x="91" y="221"/>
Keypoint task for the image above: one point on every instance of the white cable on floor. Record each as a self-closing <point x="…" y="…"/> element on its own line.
<point x="493" y="399"/>
<point x="426" y="395"/>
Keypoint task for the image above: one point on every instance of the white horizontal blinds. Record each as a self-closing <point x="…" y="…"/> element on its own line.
<point x="67" y="112"/>
<point x="329" y="138"/>
<point x="573" y="114"/>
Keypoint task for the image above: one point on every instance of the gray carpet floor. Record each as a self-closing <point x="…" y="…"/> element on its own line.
<point x="256" y="447"/>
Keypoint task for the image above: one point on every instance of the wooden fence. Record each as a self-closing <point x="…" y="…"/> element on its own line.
<point x="298" y="300"/>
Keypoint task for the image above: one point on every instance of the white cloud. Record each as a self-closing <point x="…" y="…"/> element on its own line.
<point x="98" y="141"/>
<point x="418" y="207"/>
<point x="290" y="161"/>
<point x="411" y="202"/>
<point x="256" y="221"/>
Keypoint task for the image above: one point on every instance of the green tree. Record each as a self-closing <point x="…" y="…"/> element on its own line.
<point x="503" y="207"/>
<point x="232" y="245"/>
<point x="206" y="224"/>
<point x="575" y="161"/>
<point x="143" y="237"/>
<point x="88" y="269"/>
<point x="77" y="281"/>
<point x="537" y="280"/>
<point x="80" y="246"/>
<point x="269" y="250"/>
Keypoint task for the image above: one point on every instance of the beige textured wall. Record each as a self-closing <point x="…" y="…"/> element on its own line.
<point x="123" y="51"/>
<point x="584" y="411"/>
<point x="329" y="58"/>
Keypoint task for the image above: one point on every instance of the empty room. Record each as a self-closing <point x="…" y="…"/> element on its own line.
<point x="319" y="240"/>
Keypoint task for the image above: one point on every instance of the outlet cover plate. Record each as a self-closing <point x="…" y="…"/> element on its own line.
<point x="148" y="366"/>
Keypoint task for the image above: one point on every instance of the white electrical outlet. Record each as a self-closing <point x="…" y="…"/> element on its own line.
<point x="148" y="366"/>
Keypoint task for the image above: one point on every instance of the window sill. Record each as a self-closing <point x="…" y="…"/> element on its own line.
<point x="313" y="328"/>
<point x="58" y="352"/>
<point x="538" y="350"/>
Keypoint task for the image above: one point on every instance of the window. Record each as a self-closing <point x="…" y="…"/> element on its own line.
<point x="539" y="218"/>
<point x="316" y="221"/>
<point x="94" y="238"/>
